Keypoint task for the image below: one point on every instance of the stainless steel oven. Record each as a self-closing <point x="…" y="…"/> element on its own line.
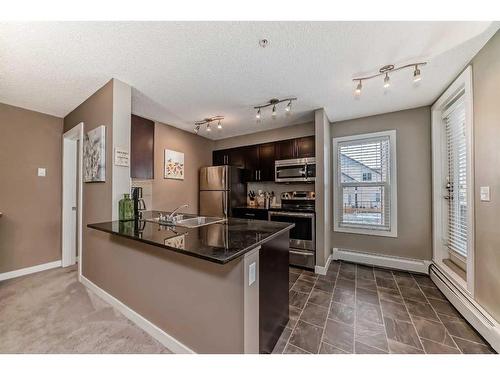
<point x="298" y="208"/>
<point x="295" y="170"/>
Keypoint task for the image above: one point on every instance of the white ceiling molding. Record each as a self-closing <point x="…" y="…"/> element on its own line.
<point x="183" y="71"/>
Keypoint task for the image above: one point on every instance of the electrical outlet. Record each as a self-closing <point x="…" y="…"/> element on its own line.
<point x="41" y="172"/>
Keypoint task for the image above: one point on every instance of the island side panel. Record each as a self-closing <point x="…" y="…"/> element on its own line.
<point x="273" y="299"/>
<point x="199" y="303"/>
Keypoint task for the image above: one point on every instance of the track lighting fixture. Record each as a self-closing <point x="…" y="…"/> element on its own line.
<point x="274" y="102"/>
<point x="384" y="71"/>
<point x="208" y="121"/>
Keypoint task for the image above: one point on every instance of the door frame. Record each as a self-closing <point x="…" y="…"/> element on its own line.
<point x="69" y="184"/>
<point x="439" y="157"/>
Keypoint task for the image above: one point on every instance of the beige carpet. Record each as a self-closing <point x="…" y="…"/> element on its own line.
<point x="51" y="312"/>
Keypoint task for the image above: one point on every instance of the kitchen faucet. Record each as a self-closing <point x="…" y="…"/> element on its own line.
<point x="170" y="217"/>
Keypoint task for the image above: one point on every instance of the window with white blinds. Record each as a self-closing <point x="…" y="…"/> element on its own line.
<point x="456" y="150"/>
<point x="364" y="199"/>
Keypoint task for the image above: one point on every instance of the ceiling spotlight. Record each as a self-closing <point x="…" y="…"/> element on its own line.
<point x="219" y="125"/>
<point x="416" y="74"/>
<point x="386" y="81"/>
<point x="197" y="129"/>
<point x="274" y="112"/>
<point x="257" y="116"/>
<point x="288" y="107"/>
<point x="209" y="128"/>
<point x="357" y="92"/>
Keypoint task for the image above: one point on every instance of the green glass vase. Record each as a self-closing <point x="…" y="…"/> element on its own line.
<point x="126" y="208"/>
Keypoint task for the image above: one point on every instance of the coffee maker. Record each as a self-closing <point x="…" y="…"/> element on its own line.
<point x="139" y="204"/>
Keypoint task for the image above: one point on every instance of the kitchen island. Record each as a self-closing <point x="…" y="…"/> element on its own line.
<point x="216" y="288"/>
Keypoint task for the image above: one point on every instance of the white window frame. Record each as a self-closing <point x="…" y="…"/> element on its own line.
<point x="439" y="158"/>
<point x="393" y="232"/>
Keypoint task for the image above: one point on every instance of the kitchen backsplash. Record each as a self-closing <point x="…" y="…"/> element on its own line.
<point x="278" y="188"/>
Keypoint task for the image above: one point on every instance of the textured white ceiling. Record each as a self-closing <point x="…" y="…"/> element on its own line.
<point x="185" y="71"/>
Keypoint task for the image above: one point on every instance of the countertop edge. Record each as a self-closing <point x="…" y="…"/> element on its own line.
<point x="188" y="253"/>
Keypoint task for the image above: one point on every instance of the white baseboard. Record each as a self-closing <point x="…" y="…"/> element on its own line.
<point x="29" y="270"/>
<point x="168" y="341"/>
<point x="320" y="270"/>
<point x="406" y="264"/>
<point x="484" y="323"/>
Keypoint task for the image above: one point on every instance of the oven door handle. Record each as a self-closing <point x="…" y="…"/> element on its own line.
<point x="305" y="253"/>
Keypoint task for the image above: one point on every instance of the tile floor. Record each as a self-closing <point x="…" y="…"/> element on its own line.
<point x="365" y="310"/>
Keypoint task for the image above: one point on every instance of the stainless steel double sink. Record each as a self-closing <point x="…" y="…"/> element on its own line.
<point x="188" y="222"/>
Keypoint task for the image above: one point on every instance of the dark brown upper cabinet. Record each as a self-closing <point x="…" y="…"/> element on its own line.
<point x="142" y="148"/>
<point x="305" y="147"/>
<point x="231" y="156"/>
<point x="267" y="156"/>
<point x="220" y="157"/>
<point x="258" y="160"/>
<point x="285" y="149"/>
<point x="295" y="148"/>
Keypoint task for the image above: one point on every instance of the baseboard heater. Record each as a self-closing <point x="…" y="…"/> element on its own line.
<point x="484" y="323"/>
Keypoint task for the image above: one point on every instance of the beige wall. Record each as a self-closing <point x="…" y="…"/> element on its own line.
<point x="97" y="197"/>
<point x="486" y="73"/>
<point x="30" y="228"/>
<point x="168" y="194"/>
<point x="288" y="132"/>
<point x="414" y="184"/>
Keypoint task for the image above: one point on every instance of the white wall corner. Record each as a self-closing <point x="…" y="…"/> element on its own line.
<point x="122" y="111"/>
<point x="322" y="270"/>
<point x="323" y="186"/>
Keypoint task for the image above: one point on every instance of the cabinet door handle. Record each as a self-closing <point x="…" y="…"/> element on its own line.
<point x="259" y="174"/>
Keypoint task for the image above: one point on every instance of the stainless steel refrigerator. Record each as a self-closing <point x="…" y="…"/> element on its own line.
<point x="221" y="189"/>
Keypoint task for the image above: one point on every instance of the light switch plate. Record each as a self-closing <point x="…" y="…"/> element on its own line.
<point x="251" y="274"/>
<point x="41" y="172"/>
<point x="485" y="193"/>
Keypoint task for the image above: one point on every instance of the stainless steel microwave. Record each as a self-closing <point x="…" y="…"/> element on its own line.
<point x="295" y="170"/>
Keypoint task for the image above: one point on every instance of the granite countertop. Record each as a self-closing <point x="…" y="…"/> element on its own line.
<point x="218" y="243"/>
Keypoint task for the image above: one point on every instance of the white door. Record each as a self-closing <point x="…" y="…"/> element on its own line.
<point x="72" y="195"/>
<point x="453" y="198"/>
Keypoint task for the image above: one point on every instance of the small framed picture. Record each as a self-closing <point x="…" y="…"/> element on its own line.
<point x="174" y="165"/>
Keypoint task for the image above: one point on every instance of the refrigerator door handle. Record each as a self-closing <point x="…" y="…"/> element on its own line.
<point x="224" y="203"/>
<point x="223" y="180"/>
